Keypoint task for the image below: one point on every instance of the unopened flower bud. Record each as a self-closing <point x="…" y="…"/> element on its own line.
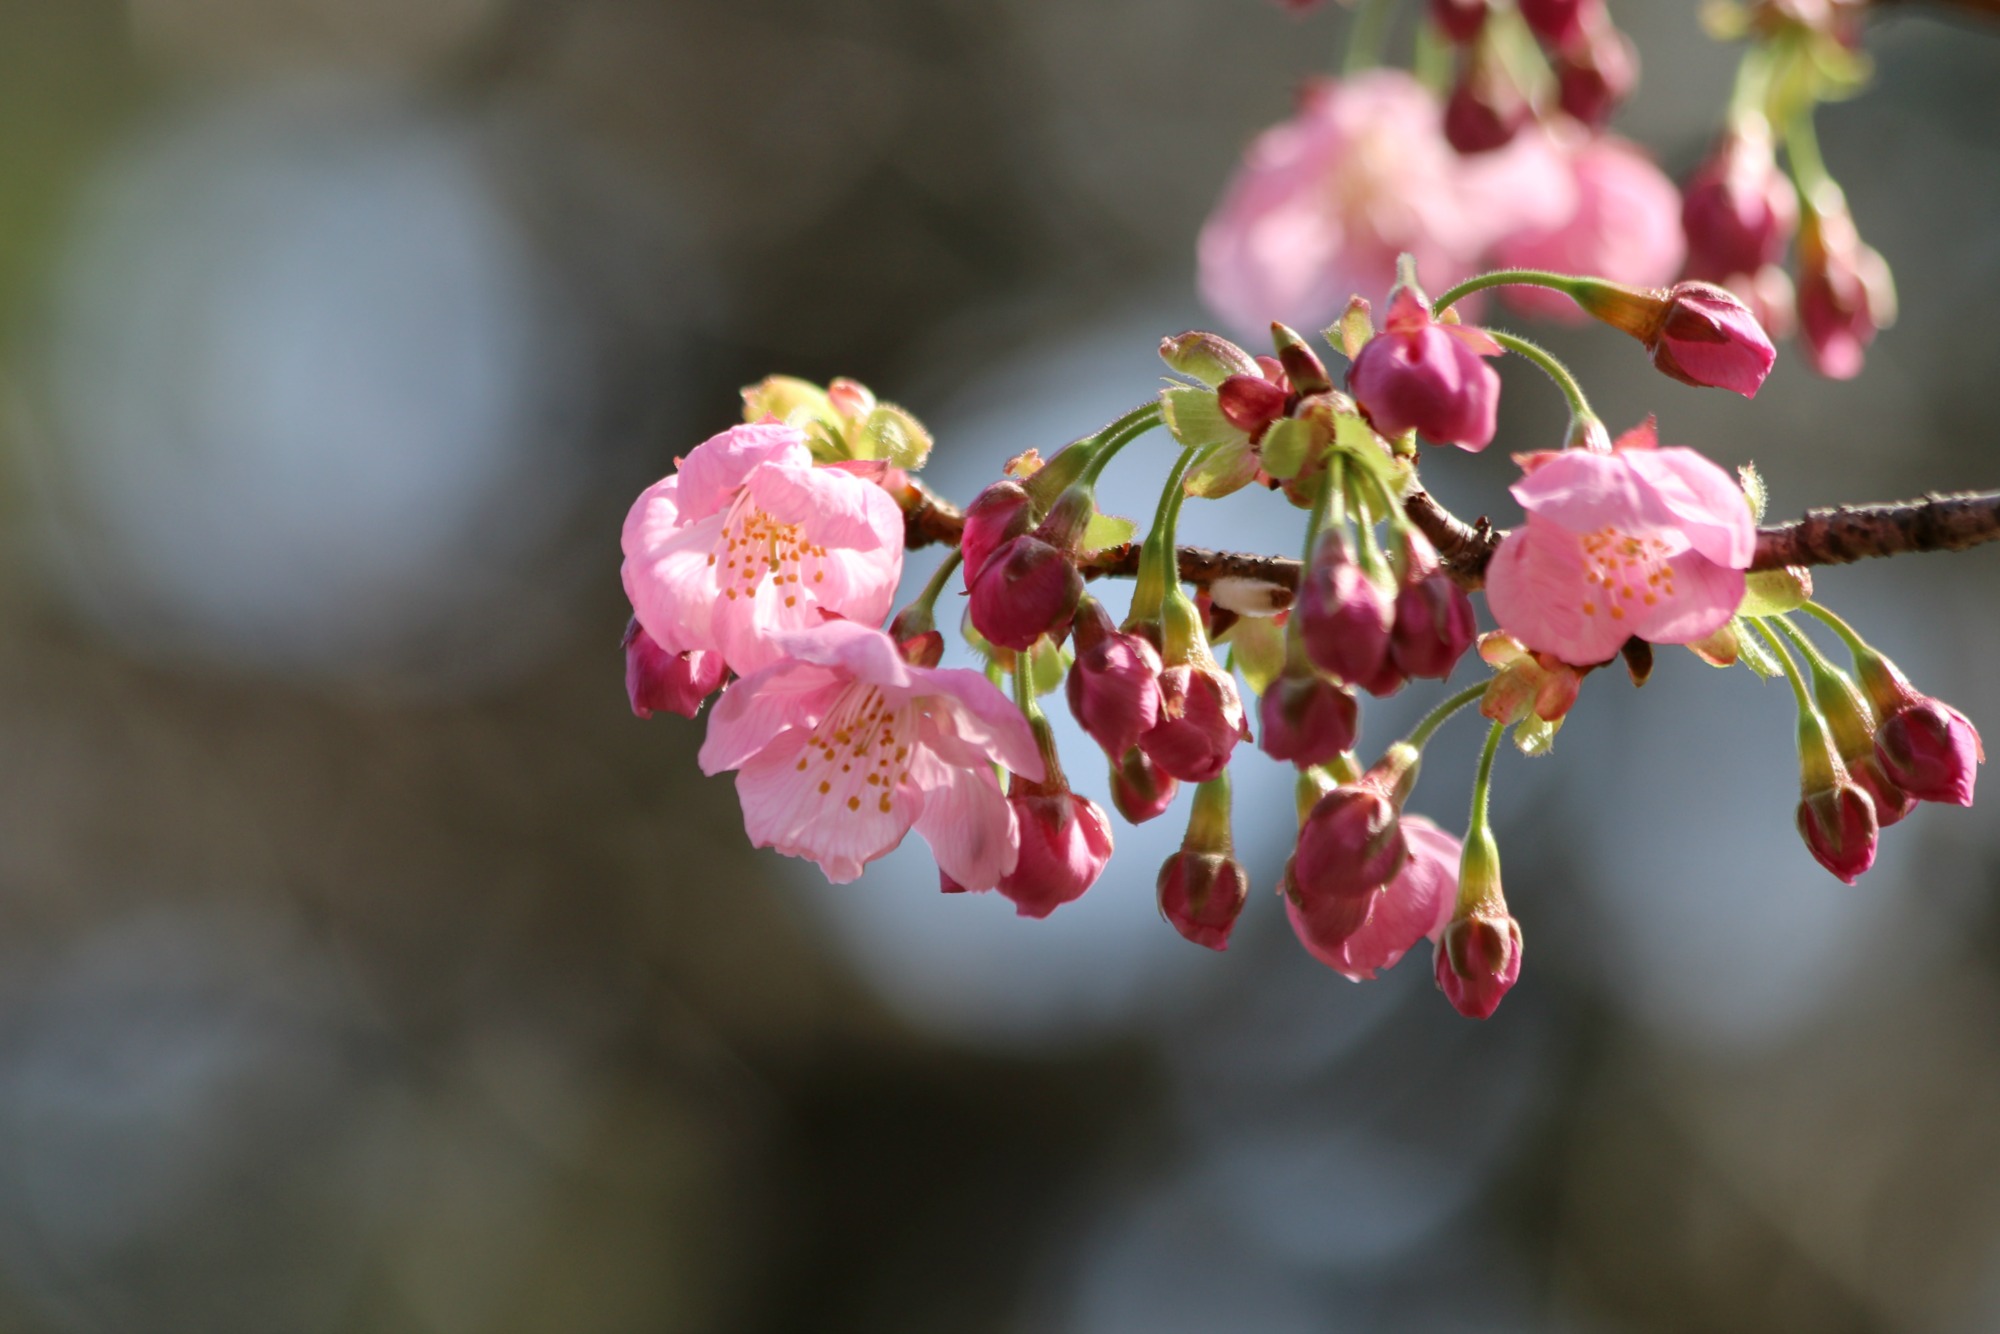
<point x="1486" y="108"/>
<point x="1425" y="375"/>
<point x="1931" y="750"/>
<point x="1065" y="843"/>
<point x="996" y="515"/>
<point x="1344" y="615"/>
<point x="1478" y="957"/>
<point x="1596" y="74"/>
<point x="1305" y="373"/>
<point x="1351" y="843"/>
<point x="1738" y="210"/>
<point x="1140" y="789"/>
<point x="1559" y="22"/>
<point x="1114" y="686"/>
<point x="1838" y="823"/>
<point x="1852" y="728"/>
<point x="1026" y="589"/>
<point x="1306" y="719"/>
<point x="1710" y="338"/>
<point x="1201" y="720"/>
<point x="1202" y="894"/>
<point x="1434" y="620"/>
<point x="657" y="681"/>
<point x="1251" y="403"/>
<point x="1845" y="291"/>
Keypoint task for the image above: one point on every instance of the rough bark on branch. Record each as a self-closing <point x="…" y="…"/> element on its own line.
<point x="1823" y="537"/>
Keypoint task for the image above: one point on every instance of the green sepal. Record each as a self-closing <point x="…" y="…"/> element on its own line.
<point x="1753" y="490"/>
<point x="893" y="434"/>
<point x="1354" y="328"/>
<point x="1775" y="592"/>
<point x="1194" y="416"/>
<point x="1257" y="649"/>
<point x="1223" y="471"/>
<point x="1753" y="653"/>
<point x="1535" y="736"/>
<point x="1288" y="444"/>
<point x="1048" y="664"/>
<point x="1105" y="530"/>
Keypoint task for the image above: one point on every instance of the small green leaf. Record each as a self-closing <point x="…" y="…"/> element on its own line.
<point x="894" y="434"/>
<point x="1753" y="490"/>
<point x="1106" y="530"/>
<point x="1047" y="665"/>
<point x="1195" y="416"/>
<point x="1535" y="736"/>
<point x="1288" y="445"/>
<point x="1354" y="328"/>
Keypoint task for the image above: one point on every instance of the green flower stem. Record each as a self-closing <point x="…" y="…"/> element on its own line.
<point x="1073" y="460"/>
<point x="1482" y="786"/>
<point x="1579" y="406"/>
<point x="1802" y="155"/>
<point x="1420" y="735"/>
<point x="1807" y="649"/>
<point x="1367" y="34"/>
<point x="1753" y="83"/>
<point x="1118" y="435"/>
<point x="1208" y="827"/>
<point x="1792" y="673"/>
<point x="1816" y="749"/>
<point x="1855" y="643"/>
<point x="1157" y="556"/>
<point x="927" y="600"/>
<point x="1560" y="282"/>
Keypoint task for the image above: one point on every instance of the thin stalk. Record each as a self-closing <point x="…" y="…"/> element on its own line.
<point x="1792" y="673"/>
<point x="1482" y="783"/>
<point x="927" y="600"/>
<point x="1158" y="566"/>
<point x="1560" y="282"/>
<point x="1118" y="435"/>
<point x="1579" y="406"/>
<point x="1420" y="735"/>
<point x="1854" y="642"/>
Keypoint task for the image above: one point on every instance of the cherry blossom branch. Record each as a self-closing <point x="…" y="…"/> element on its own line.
<point x="1835" y="536"/>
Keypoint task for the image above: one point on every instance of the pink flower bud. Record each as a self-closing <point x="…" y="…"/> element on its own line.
<point x="1739" y="211"/>
<point x="1304" y="372"/>
<point x="1201" y="894"/>
<point x="1201" y="720"/>
<point x="996" y="515"/>
<point x="1065" y="843"/>
<point x="1559" y="22"/>
<point x="1434" y="621"/>
<point x="1459" y="20"/>
<point x="1891" y="802"/>
<point x="1596" y="74"/>
<point x="1845" y="294"/>
<point x="1140" y="789"/>
<point x="1114" y="688"/>
<point x="1478" y="960"/>
<point x="1350" y="845"/>
<point x="1344" y="616"/>
<point x="1250" y="402"/>
<point x="657" y="681"/>
<point x="1486" y="108"/>
<point x="1387" y="680"/>
<point x="1415" y="904"/>
<point x="1839" y="826"/>
<point x="922" y="650"/>
<point x="1306" y="719"/>
<point x="1931" y="750"/>
<point x="1709" y="338"/>
<point x="1026" y="589"/>
<point x="1419" y="374"/>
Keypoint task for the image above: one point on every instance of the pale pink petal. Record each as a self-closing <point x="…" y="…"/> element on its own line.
<point x="858" y="651"/>
<point x="976" y="723"/>
<point x="756" y="710"/>
<point x="1414" y="905"/>
<point x="1705" y="596"/>
<point x="1706" y="503"/>
<point x="857" y="585"/>
<point x="1585" y="491"/>
<point x="836" y="821"/>
<point x="1536" y="590"/>
<point x="834" y="507"/>
<point x="967" y="821"/>
<point x="1646" y="435"/>
<point x="669" y="576"/>
<point x="716" y="469"/>
<point x="1528" y="186"/>
<point x="1626" y="226"/>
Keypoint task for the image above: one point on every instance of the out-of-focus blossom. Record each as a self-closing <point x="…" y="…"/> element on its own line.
<point x="840" y="747"/>
<point x="1638" y="541"/>
<point x="1415" y="904"/>
<point x="1325" y="202"/>
<point x="749" y="539"/>
<point x="1846" y="293"/>
<point x="1738" y="210"/>
<point x="1625" y="226"/>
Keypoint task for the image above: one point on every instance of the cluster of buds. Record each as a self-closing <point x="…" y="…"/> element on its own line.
<point x="1592" y="66"/>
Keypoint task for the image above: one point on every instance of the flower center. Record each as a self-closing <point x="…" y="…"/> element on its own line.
<point x="1622" y="571"/>
<point x="756" y="547"/>
<point x="861" y="749"/>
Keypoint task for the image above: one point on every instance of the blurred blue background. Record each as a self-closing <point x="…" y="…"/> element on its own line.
<point x="364" y="965"/>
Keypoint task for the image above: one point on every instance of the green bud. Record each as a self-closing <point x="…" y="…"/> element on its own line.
<point x="1207" y="357"/>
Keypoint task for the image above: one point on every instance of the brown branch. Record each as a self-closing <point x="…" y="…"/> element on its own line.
<point x="1987" y="9"/>
<point x="1823" y="537"/>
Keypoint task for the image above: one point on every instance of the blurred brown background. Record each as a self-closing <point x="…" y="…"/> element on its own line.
<point x="365" y="966"/>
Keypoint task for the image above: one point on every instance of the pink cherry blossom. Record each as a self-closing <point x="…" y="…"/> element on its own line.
<point x="1638" y="541"/>
<point x="1325" y="202"/>
<point x="1414" y="905"/>
<point x="840" y="747"/>
<point x="748" y="539"/>
<point x="1423" y="375"/>
<point x="1625" y="225"/>
<point x="657" y="681"/>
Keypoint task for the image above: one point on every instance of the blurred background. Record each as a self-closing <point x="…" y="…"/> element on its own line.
<point x="365" y="966"/>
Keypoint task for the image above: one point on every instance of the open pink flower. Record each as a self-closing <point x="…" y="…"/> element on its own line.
<point x="1325" y="202"/>
<point x="1639" y="541"/>
<point x="1414" y="905"/>
<point x="1625" y="225"/>
<point x="748" y="538"/>
<point x="841" y="746"/>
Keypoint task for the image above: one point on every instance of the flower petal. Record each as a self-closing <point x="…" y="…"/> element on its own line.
<point x="1536" y="589"/>
<point x="970" y="826"/>
<point x="834" y="507"/>
<point x="841" y="825"/>
<point x="975" y="722"/>
<point x="715" y="469"/>
<point x="668" y="575"/>
<point x="1706" y="503"/>
<point x="754" y="712"/>
<point x="1705" y="596"/>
